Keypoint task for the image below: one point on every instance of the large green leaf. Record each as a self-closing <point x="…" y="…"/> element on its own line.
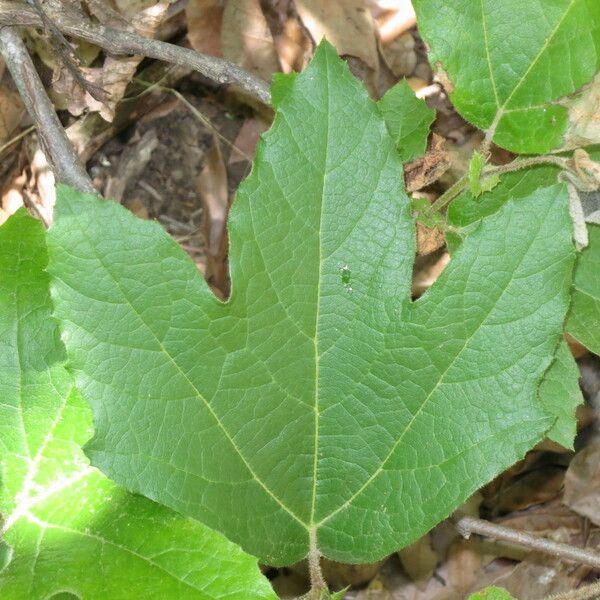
<point x="67" y="528"/>
<point x="583" y="322"/>
<point x="508" y="62"/>
<point x="319" y="407"/>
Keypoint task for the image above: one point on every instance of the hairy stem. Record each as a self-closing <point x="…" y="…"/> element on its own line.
<point x="461" y="184"/>
<point x="454" y="190"/>
<point x="317" y="582"/>
<point x="516" y="165"/>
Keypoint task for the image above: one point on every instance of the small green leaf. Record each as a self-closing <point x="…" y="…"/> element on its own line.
<point x="561" y="395"/>
<point x="476" y="165"/>
<point x="509" y="62"/>
<point x="583" y="322"/>
<point x="67" y="530"/>
<point x="478" y="185"/>
<point x="408" y="120"/>
<point x="492" y="593"/>
<point x="301" y="414"/>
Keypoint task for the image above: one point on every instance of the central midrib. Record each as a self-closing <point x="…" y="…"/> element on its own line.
<point x="318" y="311"/>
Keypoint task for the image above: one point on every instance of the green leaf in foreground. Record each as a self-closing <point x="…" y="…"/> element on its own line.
<point x="509" y="62"/>
<point x="583" y="322"/>
<point x="408" y="119"/>
<point x="66" y="528"/>
<point x="319" y="408"/>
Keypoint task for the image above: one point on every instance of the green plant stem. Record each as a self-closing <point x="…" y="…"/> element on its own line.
<point x="454" y="190"/>
<point x="317" y="582"/>
<point x="461" y="184"/>
<point x="524" y="163"/>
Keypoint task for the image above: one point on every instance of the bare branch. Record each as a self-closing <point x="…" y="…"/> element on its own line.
<point x="64" y="160"/>
<point x="67" y="54"/>
<point x="124" y="42"/>
<point x="468" y="525"/>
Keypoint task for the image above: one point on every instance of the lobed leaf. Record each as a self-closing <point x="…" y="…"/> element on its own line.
<point x="67" y="530"/>
<point x="509" y="63"/>
<point x="319" y="407"/>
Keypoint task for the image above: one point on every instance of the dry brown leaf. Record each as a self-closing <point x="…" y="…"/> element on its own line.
<point x="429" y="239"/>
<point x="244" y="145"/>
<point x="396" y="22"/>
<point x="214" y="195"/>
<point x="419" y="559"/>
<point x="11" y="112"/>
<point x="582" y="483"/>
<point x="116" y="72"/>
<point x="400" y="55"/>
<point x="423" y="171"/>
<point x="246" y="38"/>
<point x="538" y="576"/>
<point x="340" y="575"/>
<point x="463" y="564"/>
<point x="293" y="46"/>
<point x="238" y="31"/>
<point x="545" y="519"/>
<point x="346" y="24"/>
<point x="205" y="21"/>
<point x="536" y="479"/>
<point x="292" y="42"/>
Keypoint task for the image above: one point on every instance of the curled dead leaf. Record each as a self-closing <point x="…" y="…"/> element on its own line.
<point x="214" y="195"/>
<point x="246" y="38"/>
<point x="11" y="112"/>
<point x="419" y="559"/>
<point x="583" y="128"/>
<point x="582" y="483"/>
<point x="429" y="239"/>
<point x="204" y="21"/>
<point x="400" y="55"/>
<point x="116" y="72"/>
<point x="346" y="24"/>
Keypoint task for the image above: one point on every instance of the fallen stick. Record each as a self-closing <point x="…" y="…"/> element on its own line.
<point x="124" y="42"/>
<point x="468" y="525"/>
<point x="61" y="155"/>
